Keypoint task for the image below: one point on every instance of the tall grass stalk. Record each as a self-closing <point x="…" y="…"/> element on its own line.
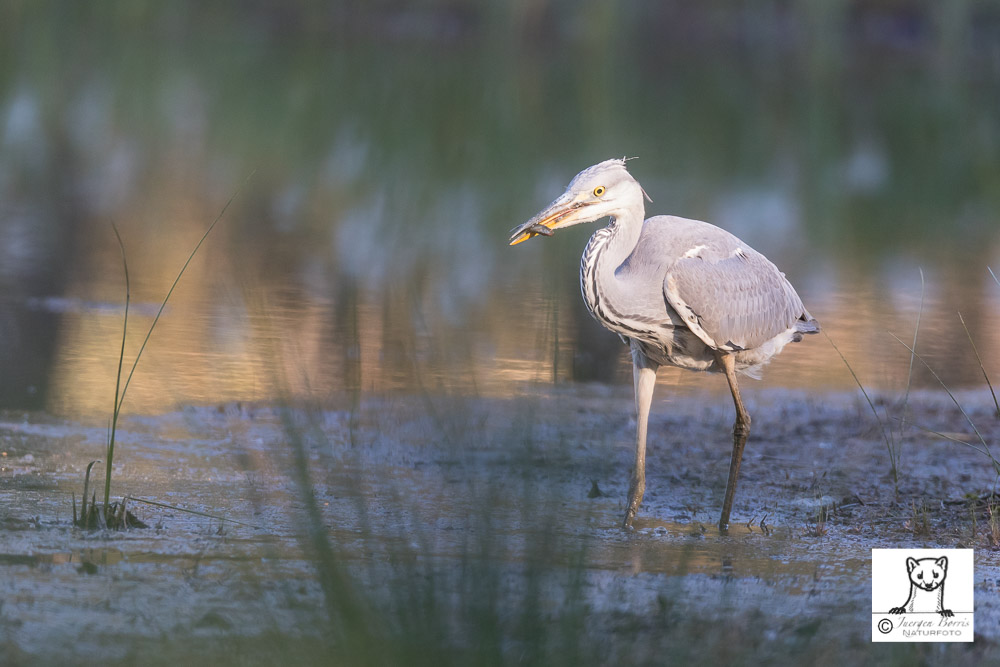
<point x="982" y="440"/>
<point x="410" y="601"/>
<point x="120" y="387"/>
<point x="889" y="435"/>
<point x="997" y="281"/>
<point x="958" y="441"/>
<point x="982" y="367"/>
<point x="916" y="331"/>
<point x="177" y="508"/>
<point x="882" y="427"/>
<point x="119" y="392"/>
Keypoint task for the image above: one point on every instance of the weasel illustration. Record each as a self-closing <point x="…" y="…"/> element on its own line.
<point x="926" y="586"/>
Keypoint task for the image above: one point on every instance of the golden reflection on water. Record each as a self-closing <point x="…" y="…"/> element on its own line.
<point x="221" y="342"/>
<point x="265" y="317"/>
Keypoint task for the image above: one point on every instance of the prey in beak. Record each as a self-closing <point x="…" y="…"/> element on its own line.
<point x="560" y="213"/>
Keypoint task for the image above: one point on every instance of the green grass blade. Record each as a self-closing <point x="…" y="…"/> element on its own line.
<point x="989" y="384"/>
<point x="122" y="388"/>
<point x="86" y="485"/>
<point x="959" y="441"/>
<point x="119" y="392"/>
<point x="867" y="398"/>
<point x="916" y="330"/>
<point x="950" y="395"/>
<point x="163" y="304"/>
<point x="128" y="299"/>
<point x="217" y="517"/>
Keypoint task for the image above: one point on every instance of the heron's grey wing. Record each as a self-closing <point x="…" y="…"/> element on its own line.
<point x="734" y="300"/>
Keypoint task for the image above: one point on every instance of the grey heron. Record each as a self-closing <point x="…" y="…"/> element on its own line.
<point x="681" y="292"/>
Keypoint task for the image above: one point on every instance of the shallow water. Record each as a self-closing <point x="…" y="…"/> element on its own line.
<point x="459" y="502"/>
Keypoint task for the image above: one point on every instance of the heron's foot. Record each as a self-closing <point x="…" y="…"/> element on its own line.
<point x="631" y="511"/>
<point x="724" y="520"/>
<point x="897" y="610"/>
<point x="636" y="489"/>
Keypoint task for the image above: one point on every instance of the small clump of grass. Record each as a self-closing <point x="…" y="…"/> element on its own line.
<point x="91" y="515"/>
<point x="987" y="506"/>
<point x="819" y="526"/>
<point x="110" y="514"/>
<point x="919" y="522"/>
<point x="993" y="508"/>
<point x="971" y="500"/>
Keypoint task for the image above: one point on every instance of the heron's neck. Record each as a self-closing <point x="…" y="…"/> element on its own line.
<point x="609" y="247"/>
<point x="624" y="235"/>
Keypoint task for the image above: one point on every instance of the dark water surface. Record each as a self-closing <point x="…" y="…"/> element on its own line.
<point x="391" y="152"/>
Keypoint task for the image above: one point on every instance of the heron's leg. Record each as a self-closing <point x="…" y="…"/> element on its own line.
<point x="741" y="429"/>
<point x="644" y="377"/>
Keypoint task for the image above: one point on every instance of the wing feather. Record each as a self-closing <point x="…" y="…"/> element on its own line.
<point x="732" y="300"/>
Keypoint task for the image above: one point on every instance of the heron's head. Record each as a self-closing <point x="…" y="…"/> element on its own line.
<point x="606" y="189"/>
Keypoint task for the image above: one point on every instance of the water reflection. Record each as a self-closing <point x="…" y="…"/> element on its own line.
<point x="368" y="254"/>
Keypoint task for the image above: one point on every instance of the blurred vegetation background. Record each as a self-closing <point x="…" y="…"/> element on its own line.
<point x="393" y="144"/>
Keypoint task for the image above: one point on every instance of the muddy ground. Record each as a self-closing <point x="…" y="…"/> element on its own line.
<point x="468" y="530"/>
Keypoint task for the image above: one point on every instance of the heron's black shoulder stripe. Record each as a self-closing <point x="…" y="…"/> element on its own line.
<point x="598" y="305"/>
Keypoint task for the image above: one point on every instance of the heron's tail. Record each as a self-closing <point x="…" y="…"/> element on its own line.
<point x="806" y="324"/>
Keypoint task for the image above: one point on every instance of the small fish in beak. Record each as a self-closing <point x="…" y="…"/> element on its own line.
<point x="540" y="229"/>
<point x="558" y="213"/>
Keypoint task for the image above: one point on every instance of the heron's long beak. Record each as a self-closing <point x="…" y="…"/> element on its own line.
<point x="560" y="213"/>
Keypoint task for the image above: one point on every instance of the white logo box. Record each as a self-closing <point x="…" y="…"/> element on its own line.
<point x="922" y="595"/>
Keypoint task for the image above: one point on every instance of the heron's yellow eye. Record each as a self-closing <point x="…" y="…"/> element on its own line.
<point x="599" y="191"/>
